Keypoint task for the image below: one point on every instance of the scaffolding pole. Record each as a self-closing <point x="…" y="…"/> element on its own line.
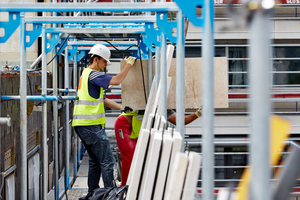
<point x="23" y="110"/>
<point x="180" y="77"/>
<point x="208" y="102"/>
<point x="260" y="104"/>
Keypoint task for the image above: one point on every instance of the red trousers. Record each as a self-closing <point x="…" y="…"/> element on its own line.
<point x="126" y="146"/>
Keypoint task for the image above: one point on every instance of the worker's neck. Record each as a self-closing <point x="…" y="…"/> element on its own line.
<point x="94" y="67"/>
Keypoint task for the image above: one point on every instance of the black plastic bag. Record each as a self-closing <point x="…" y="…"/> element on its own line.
<point x="112" y="193"/>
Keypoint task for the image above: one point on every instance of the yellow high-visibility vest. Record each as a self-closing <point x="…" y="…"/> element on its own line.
<point x="88" y="110"/>
<point x="136" y="124"/>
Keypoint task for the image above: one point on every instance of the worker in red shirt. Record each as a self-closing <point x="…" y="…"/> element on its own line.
<point x="127" y="128"/>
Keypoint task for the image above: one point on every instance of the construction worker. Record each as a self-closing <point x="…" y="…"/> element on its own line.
<point x="89" y="115"/>
<point x="127" y="128"/>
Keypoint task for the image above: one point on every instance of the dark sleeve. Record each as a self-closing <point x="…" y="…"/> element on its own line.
<point x="100" y="79"/>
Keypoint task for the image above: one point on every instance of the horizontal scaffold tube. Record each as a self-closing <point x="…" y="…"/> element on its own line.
<point x="96" y="7"/>
<point x="38" y="98"/>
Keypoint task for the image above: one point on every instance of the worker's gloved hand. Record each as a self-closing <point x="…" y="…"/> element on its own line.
<point x="198" y="112"/>
<point x="127" y="109"/>
<point x="130" y="60"/>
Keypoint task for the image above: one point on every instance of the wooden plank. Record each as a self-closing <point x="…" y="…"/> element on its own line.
<point x="191" y="177"/>
<point x="132" y="86"/>
<point x="174" y="189"/>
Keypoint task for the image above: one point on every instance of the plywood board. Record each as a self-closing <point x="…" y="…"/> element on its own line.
<point x="133" y="92"/>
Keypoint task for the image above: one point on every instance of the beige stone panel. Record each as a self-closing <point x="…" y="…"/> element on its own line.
<point x="132" y="86"/>
<point x="133" y="92"/>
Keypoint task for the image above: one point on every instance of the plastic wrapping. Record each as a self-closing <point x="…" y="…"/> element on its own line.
<point x="112" y="193"/>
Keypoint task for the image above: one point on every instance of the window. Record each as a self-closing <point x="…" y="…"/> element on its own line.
<point x="286" y="66"/>
<point x="237" y="67"/>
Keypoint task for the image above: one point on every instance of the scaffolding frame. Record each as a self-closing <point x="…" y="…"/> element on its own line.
<point x="260" y="101"/>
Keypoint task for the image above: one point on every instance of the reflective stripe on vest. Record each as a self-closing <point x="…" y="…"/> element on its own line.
<point x="88" y="110"/>
<point x="136" y="124"/>
<point x="88" y="103"/>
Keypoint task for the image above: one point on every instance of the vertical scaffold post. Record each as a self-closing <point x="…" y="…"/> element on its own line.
<point x="180" y="79"/>
<point x="23" y="110"/>
<point x="67" y="124"/>
<point x="208" y="102"/>
<point x="157" y="68"/>
<point x="163" y="78"/>
<point x="260" y="105"/>
<point x="44" y="113"/>
<point x="55" y="120"/>
<point x="75" y="74"/>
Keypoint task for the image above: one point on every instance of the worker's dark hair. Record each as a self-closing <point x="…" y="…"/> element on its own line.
<point x="91" y="58"/>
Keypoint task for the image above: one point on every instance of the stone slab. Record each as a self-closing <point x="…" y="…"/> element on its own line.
<point x="176" y="147"/>
<point x="140" y="148"/>
<point x="174" y="189"/>
<point x="137" y="165"/>
<point x="132" y="86"/>
<point x="192" y="175"/>
<point x="150" y="169"/>
<point x="163" y="166"/>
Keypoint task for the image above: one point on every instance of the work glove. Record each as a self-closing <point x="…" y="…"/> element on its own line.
<point x="130" y="60"/>
<point x="127" y="109"/>
<point x="198" y="112"/>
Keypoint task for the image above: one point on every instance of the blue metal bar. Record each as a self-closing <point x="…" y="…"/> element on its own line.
<point x="33" y="34"/>
<point x="95" y="7"/>
<point x="95" y="19"/>
<point x="38" y="98"/>
<point x="166" y="26"/>
<point x="10" y="26"/>
<point x="189" y="8"/>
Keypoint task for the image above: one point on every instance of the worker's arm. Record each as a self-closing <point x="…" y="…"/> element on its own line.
<point x="111" y="104"/>
<point x="188" y="118"/>
<point x="117" y="80"/>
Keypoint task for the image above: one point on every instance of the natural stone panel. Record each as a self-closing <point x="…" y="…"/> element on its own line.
<point x="163" y="166"/>
<point x="148" y="179"/>
<point x="133" y="93"/>
<point x="174" y="189"/>
<point x="132" y="86"/>
<point x="141" y="147"/>
<point x="191" y="177"/>
<point x="137" y="165"/>
<point x="176" y="146"/>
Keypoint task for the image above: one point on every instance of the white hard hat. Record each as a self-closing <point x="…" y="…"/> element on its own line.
<point x="101" y="50"/>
